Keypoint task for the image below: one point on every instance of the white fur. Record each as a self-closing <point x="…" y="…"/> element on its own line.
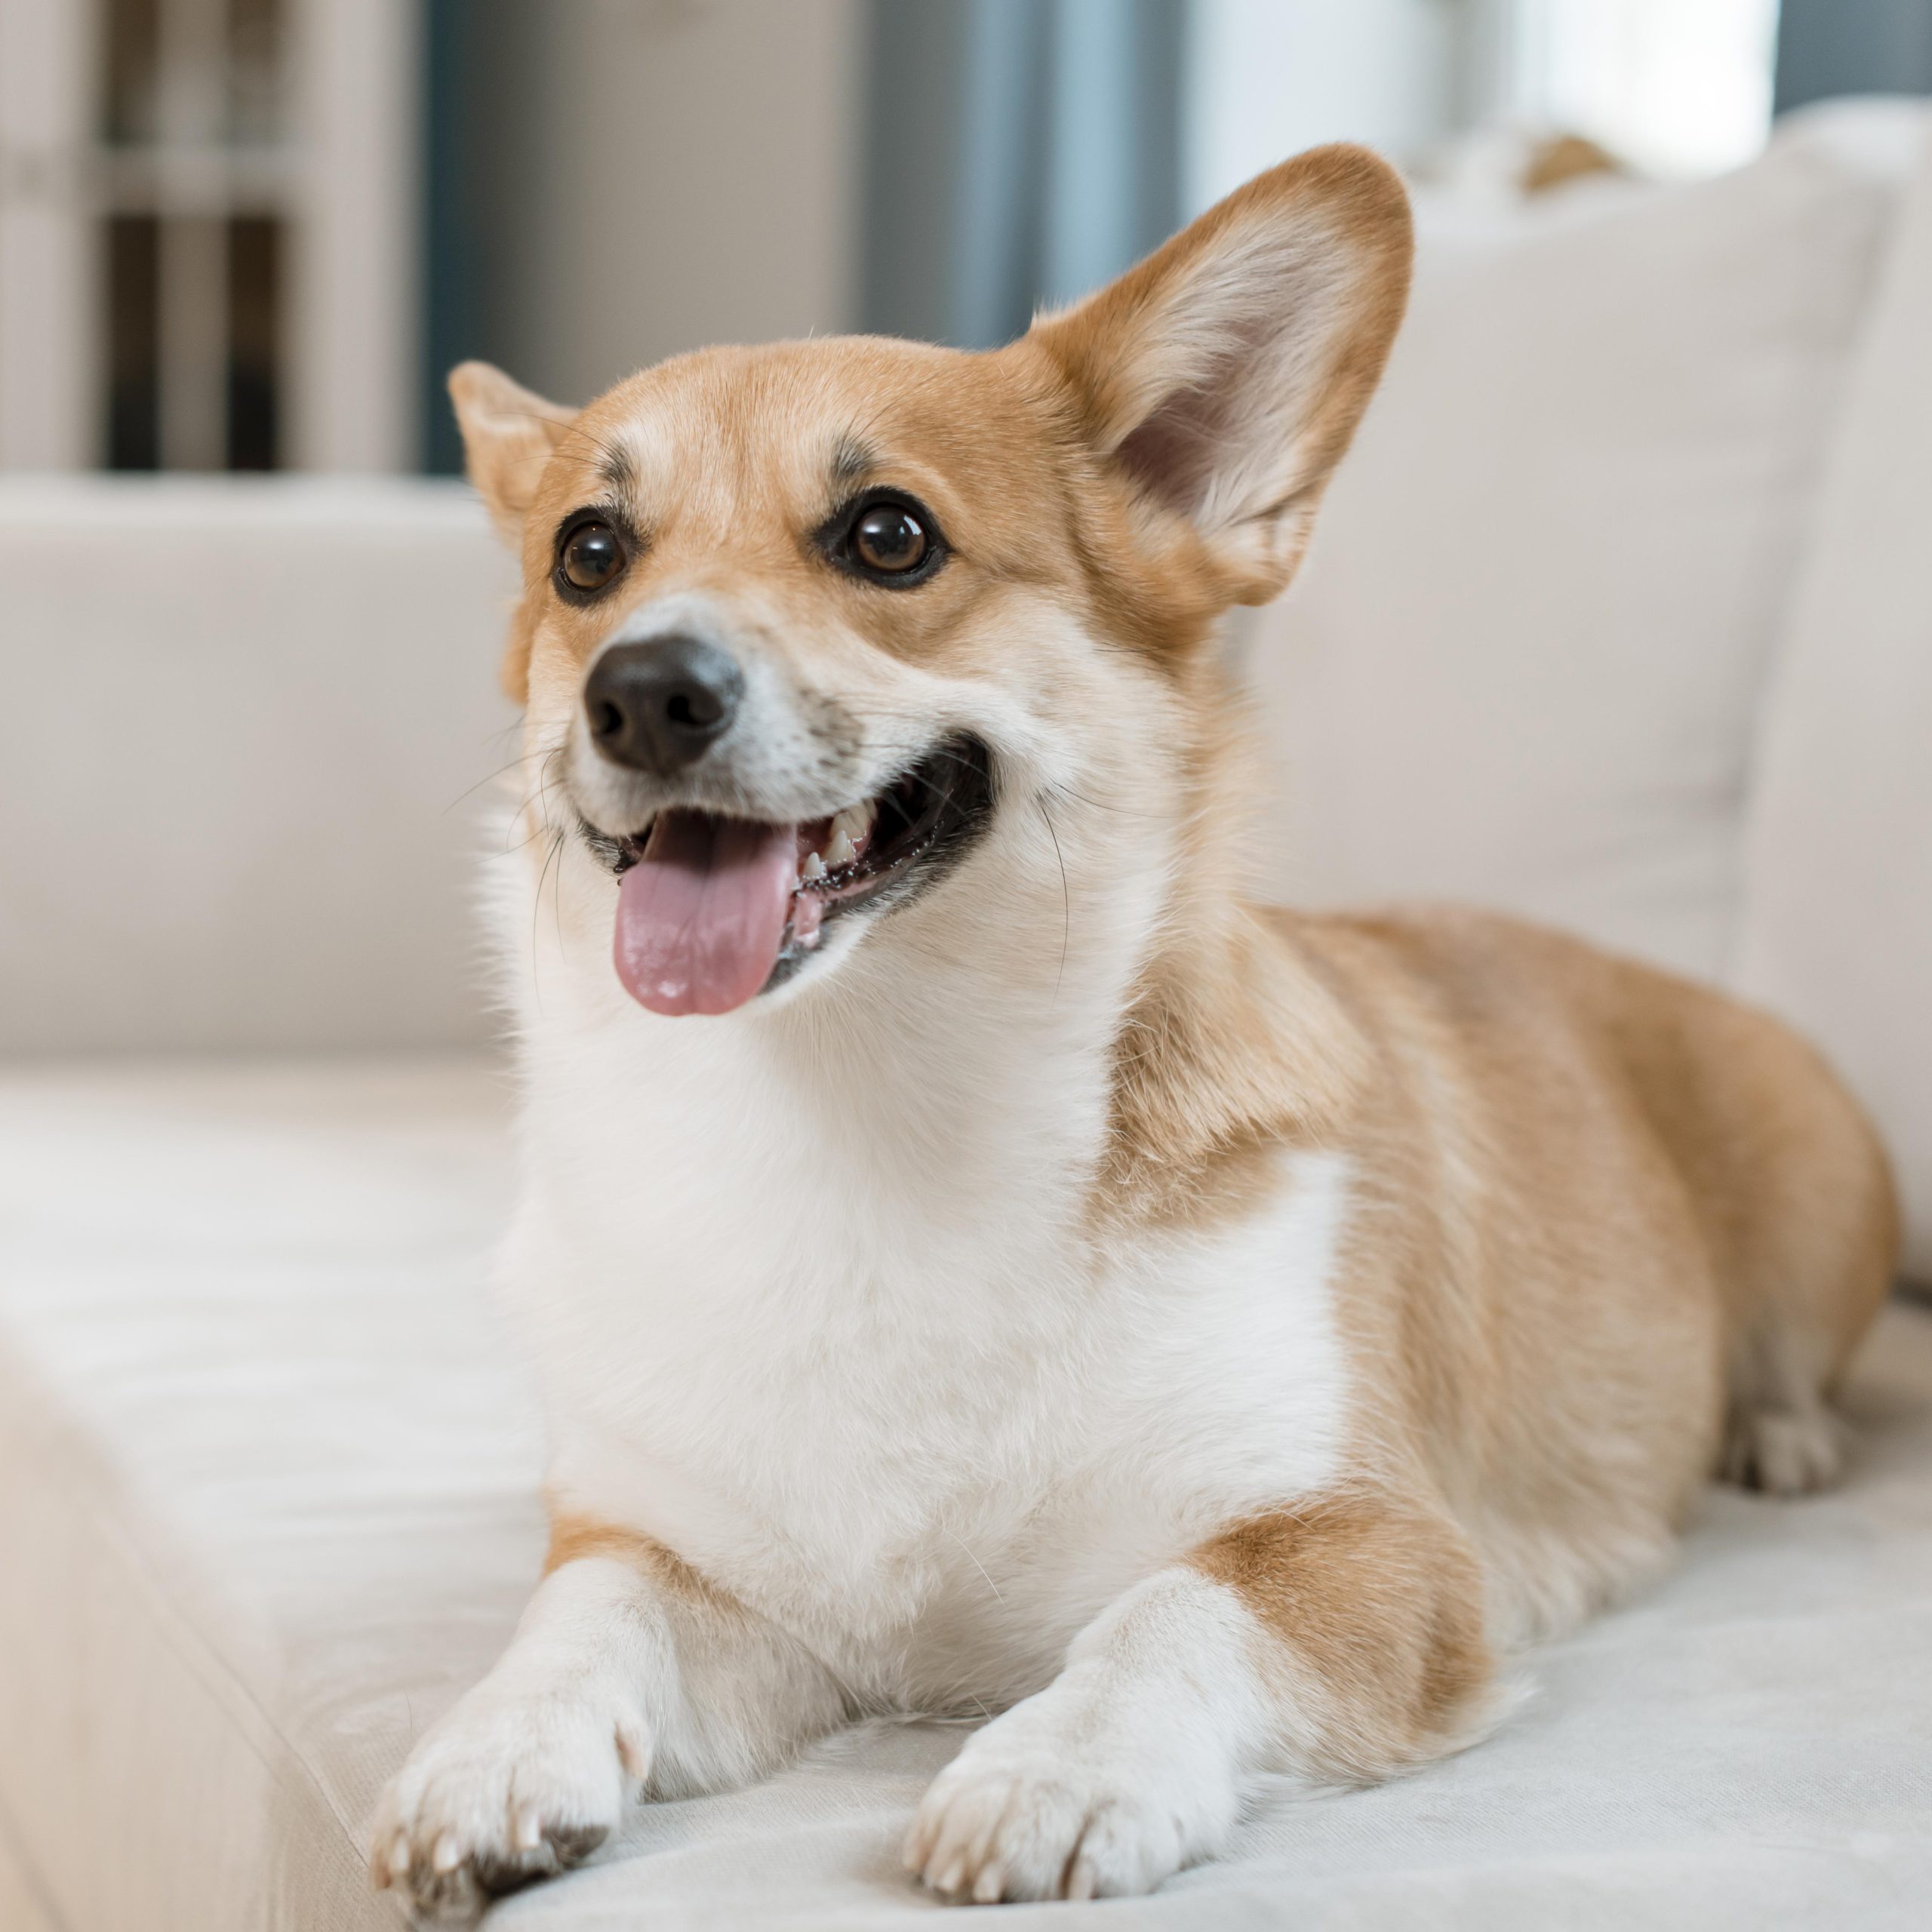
<point x="1131" y="1765"/>
<point x="813" y="1288"/>
<point x="831" y="1324"/>
<point x="534" y="1764"/>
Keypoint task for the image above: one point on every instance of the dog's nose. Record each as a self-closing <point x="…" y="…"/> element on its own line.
<point x="656" y="706"/>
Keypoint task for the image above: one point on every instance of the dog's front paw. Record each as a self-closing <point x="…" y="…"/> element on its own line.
<point x="1048" y="1803"/>
<point x="504" y="1791"/>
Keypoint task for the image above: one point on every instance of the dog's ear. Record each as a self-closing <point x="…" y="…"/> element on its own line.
<point x="1224" y="374"/>
<point x="508" y="434"/>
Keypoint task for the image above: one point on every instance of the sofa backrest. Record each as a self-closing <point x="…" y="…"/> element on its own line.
<point x="1837" y="924"/>
<point x="1522" y="664"/>
<point x="242" y="725"/>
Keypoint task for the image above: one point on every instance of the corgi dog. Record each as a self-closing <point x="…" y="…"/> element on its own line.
<point x="977" y="1261"/>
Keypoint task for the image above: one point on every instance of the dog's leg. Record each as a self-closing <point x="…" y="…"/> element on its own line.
<point x="628" y="1674"/>
<point x="1344" y="1641"/>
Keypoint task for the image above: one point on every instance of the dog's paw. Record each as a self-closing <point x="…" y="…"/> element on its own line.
<point x="1042" y="1805"/>
<point x="1784" y="1452"/>
<point x="503" y="1791"/>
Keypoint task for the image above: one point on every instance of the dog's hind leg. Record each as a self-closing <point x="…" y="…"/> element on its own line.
<point x="1780" y="1435"/>
<point x="1795" y="1202"/>
<point x="1812" y="1244"/>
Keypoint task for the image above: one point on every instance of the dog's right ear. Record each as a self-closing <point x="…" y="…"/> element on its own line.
<point x="508" y="432"/>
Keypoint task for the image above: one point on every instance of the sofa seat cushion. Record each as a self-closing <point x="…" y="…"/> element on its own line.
<point x="268" y="1502"/>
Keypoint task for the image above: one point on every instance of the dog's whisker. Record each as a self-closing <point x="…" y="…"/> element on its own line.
<point x="490" y="777"/>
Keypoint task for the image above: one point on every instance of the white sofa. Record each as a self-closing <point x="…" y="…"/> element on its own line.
<point x="1622" y="616"/>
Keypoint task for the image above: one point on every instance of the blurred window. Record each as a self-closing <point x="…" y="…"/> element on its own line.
<point x="1677" y="87"/>
<point x="1265" y="79"/>
<point x="173" y="174"/>
<point x="194" y="170"/>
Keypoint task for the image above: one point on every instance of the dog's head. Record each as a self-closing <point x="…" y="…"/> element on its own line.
<point x="816" y="631"/>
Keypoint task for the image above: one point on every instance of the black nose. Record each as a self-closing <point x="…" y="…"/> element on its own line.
<point x="656" y="705"/>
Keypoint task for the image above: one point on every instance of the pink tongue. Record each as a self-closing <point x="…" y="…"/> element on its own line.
<point x="700" y="916"/>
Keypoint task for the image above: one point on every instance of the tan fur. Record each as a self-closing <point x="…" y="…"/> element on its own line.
<point x="1108" y="347"/>
<point x="573" y="1537"/>
<point x="1376" y="1605"/>
<point x="1613" y="1213"/>
<point x="1611" y="1209"/>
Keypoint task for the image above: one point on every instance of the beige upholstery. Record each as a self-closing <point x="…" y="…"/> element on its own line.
<point x="1523" y="661"/>
<point x="268" y="1501"/>
<point x="23" y="1908"/>
<point x="1837" y="930"/>
<point x="246" y="721"/>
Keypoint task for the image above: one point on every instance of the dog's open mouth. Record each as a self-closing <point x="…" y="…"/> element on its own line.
<point x="713" y="910"/>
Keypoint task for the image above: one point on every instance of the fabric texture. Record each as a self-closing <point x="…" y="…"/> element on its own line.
<point x="1837" y="931"/>
<point x="246" y="721"/>
<point x="268" y="1503"/>
<point x="1522" y="663"/>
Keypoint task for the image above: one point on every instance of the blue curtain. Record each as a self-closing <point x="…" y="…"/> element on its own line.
<point x="1019" y="152"/>
<point x="1827" y="48"/>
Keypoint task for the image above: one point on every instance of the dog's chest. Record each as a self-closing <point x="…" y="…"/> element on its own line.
<point x="910" y="1409"/>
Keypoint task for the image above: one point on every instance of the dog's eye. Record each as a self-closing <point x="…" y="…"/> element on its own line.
<point x="890" y="539"/>
<point x="591" y="555"/>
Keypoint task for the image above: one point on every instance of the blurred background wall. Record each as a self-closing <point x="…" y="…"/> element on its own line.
<point x="607" y="182"/>
<point x="252" y="235"/>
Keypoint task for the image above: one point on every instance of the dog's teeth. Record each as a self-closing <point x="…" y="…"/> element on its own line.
<point x="812" y="870"/>
<point x="841" y="851"/>
<point x="855" y="821"/>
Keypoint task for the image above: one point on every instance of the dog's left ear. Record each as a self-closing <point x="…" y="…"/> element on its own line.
<point x="1224" y="374"/>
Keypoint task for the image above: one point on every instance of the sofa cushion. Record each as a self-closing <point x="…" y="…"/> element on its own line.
<point x="268" y="1503"/>
<point x="245" y="721"/>
<point x="1522" y="665"/>
<point x="1837" y="930"/>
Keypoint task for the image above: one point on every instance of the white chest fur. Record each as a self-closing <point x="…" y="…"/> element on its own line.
<point x="831" y="1325"/>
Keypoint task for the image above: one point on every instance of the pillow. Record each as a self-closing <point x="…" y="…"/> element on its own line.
<point x="1837" y="926"/>
<point x="1522" y="664"/>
